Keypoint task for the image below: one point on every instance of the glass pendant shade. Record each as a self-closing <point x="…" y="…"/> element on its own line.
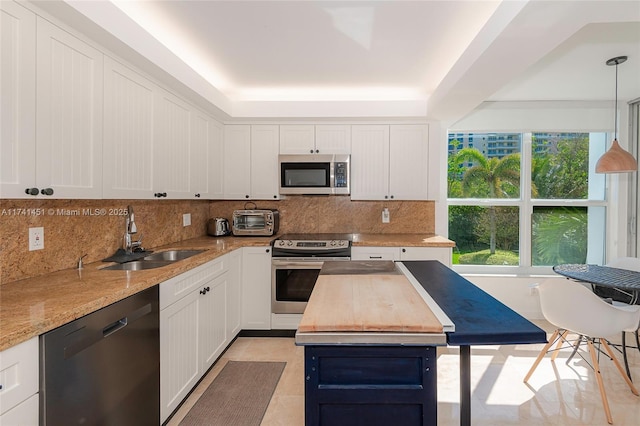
<point x="616" y="159"/>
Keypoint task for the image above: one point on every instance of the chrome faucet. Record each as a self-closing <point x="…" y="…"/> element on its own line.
<point x="129" y="245"/>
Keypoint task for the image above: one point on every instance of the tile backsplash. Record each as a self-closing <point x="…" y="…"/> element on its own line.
<point x="73" y="228"/>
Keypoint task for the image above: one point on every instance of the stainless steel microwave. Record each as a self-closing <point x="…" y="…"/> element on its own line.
<point x="314" y="174"/>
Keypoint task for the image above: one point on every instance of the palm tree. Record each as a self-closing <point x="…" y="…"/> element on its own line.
<point x="490" y="178"/>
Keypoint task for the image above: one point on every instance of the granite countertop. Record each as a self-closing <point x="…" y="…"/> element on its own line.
<point x="33" y="306"/>
<point x="404" y="240"/>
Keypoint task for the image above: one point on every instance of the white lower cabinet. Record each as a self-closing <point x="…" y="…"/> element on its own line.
<point x="375" y="253"/>
<point x="234" y="294"/>
<point x="256" y="288"/>
<point x="194" y="326"/>
<point x="19" y="384"/>
<point x="24" y="414"/>
<point x="442" y="254"/>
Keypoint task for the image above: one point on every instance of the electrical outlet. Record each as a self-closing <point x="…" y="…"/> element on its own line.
<point x="186" y="219"/>
<point x="36" y="238"/>
<point x="385" y="215"/>
<point x="533" y="289"/>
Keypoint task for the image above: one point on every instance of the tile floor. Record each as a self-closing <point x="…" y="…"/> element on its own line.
<point x="557" y="394"/>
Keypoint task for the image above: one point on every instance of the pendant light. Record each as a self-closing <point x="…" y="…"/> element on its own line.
<point x="616" y="160"/>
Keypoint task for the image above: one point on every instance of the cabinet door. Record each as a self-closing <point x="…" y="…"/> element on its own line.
<point x="179" y="356"/>
<point x="18" y="90"/>
<point x="237" y="162"/>
<point x="264" y="162"/>
<point x="206" y="157"/>
<point x="256" y="288"/>
<point x="297" y="139"/>
<point x="333" y="139"/>
<point x="408" y="162"/>
<point x="442" y="254"/>
<point x="370" y="162"/>
<point x="128" y="133"/>
<point x="212" y="323"/>
<point x="172" y="146"/>
<point x="69" y="114"/>
<point x="234" y="294"/>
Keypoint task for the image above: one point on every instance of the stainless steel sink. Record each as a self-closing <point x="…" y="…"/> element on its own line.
<point x="172" y="255"/>
<point x="138" y="265"/>
<point x="155" y="260"/>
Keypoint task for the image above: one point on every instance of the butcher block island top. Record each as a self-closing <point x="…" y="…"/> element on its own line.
<point x="368" y="303"/>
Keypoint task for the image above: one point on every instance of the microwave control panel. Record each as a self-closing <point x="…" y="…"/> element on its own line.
<point x="341" y="174"/>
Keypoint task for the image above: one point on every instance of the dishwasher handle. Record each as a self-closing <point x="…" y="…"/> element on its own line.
<point x="114" y="326"/>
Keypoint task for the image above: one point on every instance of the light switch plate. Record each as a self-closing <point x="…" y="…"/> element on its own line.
<point x="186" y="219"/>
<point x="36" y="238"/>
<point x="385" y="215"/>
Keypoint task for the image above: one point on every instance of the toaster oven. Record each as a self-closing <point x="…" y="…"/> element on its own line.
<point x="259" y="222"/>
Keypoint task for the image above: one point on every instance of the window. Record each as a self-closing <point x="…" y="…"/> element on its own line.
<point x="501" y="220"/>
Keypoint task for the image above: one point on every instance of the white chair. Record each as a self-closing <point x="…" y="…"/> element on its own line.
<point x="572" y="307"/>
<point x="631" y="264"/>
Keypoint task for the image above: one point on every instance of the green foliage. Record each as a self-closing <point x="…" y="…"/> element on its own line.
<point x="563" y="174"/>
<point x="559" y="235"/>
<point x="485" y="257"/>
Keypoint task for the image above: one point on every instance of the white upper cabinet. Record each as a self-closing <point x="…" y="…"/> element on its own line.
<point x="297" y="139"/>
<point x="237" y="161"/>
<point x="18" y="92"/>
<point x="370" y="162"/>
<point x="389" y="162"/>
<point x="251" y="162"/>
<point x="264" y="162"/>
<point x="69" y="81"/>
<point x="128" y="133"/>
<point x="318" y="139"/>
<point x="206" y="157"/>
<point x="408" y="162"/>
<point x="333" y="139"/>
<point x="51" y="133"/>
<point x="171" y="158"/>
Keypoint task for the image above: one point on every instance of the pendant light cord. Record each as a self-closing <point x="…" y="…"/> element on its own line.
<point x="615" y="109"/>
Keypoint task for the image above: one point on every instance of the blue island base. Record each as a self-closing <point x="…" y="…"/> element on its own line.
<point x="370" y="385"/>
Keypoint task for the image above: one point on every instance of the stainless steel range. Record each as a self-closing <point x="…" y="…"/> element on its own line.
<point x="295" y="264"/>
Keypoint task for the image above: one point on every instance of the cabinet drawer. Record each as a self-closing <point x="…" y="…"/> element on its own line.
<point x="26" y="413"/>
<point x="18" y="374"/>
<point x="375" y="253"/>
<point x="442" y="254"/>
<point x="178" y="287"/>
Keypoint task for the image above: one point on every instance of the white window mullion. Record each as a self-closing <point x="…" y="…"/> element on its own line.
<point x="526" y="207"/>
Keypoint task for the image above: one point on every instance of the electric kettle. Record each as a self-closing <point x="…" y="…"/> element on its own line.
<point x="218" y="227"/>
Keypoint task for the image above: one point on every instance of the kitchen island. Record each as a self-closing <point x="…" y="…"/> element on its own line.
<point x="375" y="361"/>
<point x="370" y="341"/>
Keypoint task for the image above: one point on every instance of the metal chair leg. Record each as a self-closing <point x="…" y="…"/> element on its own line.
<point x="575" y="349"/>
<point x="624" y="354"/>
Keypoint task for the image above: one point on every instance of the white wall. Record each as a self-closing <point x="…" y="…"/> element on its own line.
<point x="513" y="291"/>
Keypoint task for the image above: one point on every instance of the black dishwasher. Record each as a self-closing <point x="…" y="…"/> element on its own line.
<point x="104" y="368"/>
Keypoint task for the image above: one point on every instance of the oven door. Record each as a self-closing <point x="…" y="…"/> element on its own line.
<point x="292" y="282"/>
